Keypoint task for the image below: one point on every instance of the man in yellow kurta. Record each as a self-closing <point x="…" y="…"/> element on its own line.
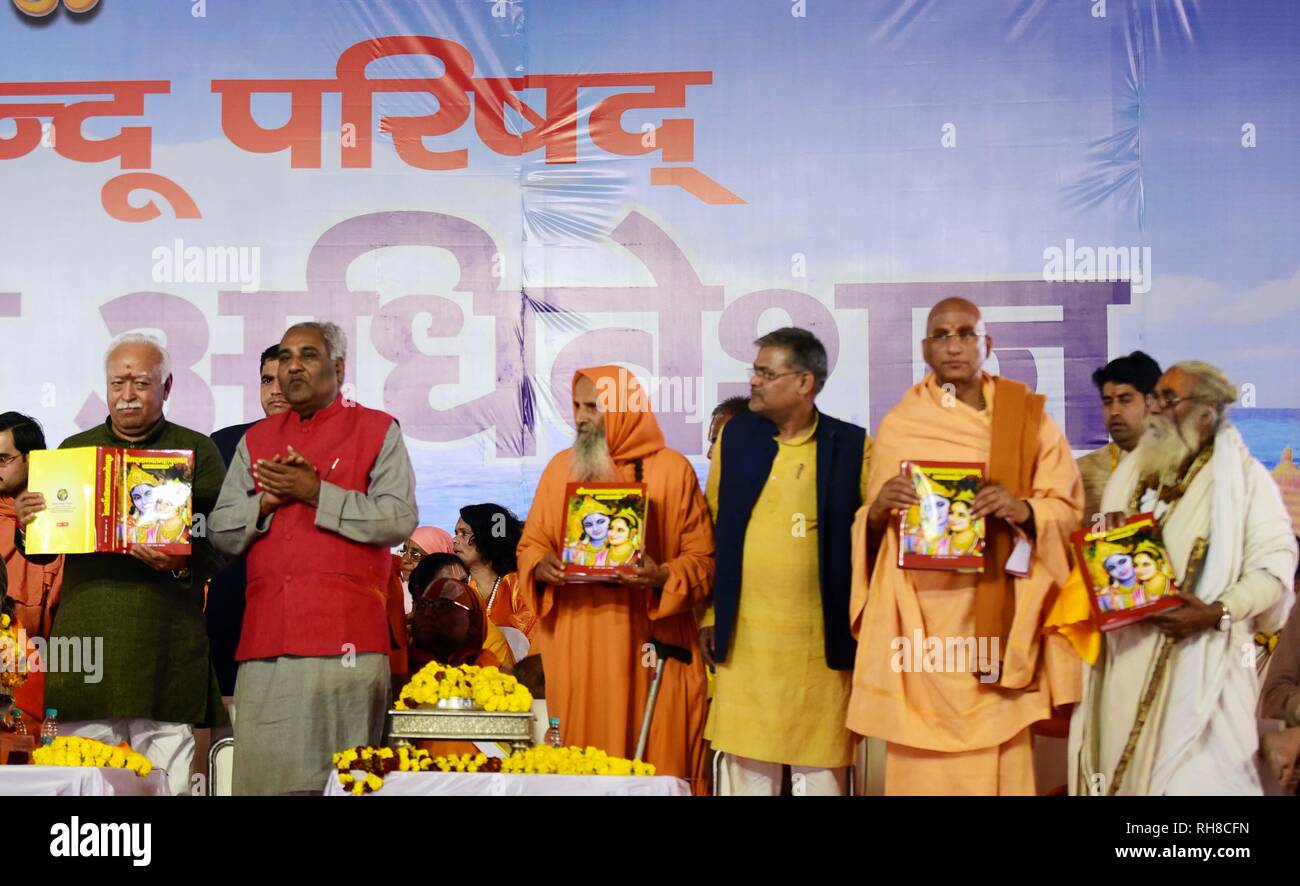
<point x="784" y="483"/>
<point x="948" y="728"/>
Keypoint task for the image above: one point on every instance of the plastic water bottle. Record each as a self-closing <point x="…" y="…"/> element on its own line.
<point x="19" y="727"/>
<point x="50" y="728"/>
<point x="553" y="734"/>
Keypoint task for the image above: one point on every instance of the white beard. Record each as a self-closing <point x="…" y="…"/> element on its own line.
<point x="1165" y="448"/>
<point x="592" y="462"/>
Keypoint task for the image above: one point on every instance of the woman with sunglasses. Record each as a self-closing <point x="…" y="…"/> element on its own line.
<point x="450" y="626"/>
<point x="425" y="584"/>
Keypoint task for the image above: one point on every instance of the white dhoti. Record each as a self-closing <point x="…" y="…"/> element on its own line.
<point x="168" y="746"/>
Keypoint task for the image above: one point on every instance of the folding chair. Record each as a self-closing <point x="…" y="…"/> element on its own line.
<point x="221" y="768"/>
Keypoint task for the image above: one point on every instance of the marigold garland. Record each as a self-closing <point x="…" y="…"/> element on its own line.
<point x="74" y="751"/>
<point x="490" y="689"/>
<point x="13" y="661"/>
<point x="361" y="769"/>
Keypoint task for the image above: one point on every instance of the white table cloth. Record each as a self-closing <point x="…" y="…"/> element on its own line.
<point x="79" y="781"/>
<point x="494" y="784"/>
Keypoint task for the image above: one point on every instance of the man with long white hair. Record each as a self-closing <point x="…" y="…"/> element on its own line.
<point x="1169" y="706"/>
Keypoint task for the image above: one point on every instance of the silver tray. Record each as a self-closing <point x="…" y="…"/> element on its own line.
<point x="457" y="704"/>
<point x="516" y="728"/>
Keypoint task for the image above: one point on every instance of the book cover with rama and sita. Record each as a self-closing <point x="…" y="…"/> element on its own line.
<point x="1127" y="571"/>
<point x="604" y="529"/>
<point x="939" y="532"/>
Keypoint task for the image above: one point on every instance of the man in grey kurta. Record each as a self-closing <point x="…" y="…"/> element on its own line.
<point x="315" y="497"/>
<point x="141" y="673"/>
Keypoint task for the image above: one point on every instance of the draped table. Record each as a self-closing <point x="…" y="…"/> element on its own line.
<point x="79" y="781"/>
<point x="496" y="784"/>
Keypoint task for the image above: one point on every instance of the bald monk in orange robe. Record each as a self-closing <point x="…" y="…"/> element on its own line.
<point x="594" y="638"/>
<point x="950" y="730"/>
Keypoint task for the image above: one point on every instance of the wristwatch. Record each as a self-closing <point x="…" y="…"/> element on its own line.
<point x="1225" y="620"/>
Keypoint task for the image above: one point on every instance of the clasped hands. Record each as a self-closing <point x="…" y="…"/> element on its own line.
<point x="286" y="478"/>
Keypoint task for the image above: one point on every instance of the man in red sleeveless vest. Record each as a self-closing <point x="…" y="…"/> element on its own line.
<point x="316" y="496"/>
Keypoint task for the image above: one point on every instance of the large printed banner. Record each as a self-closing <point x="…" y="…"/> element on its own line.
<point x="489" y="194"/>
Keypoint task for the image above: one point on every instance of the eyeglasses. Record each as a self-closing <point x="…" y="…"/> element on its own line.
<point x="965" y="336"/>
<point x="766" y="375"/>
<point x="413" y="554"/>
<point x="1168" y="399"/>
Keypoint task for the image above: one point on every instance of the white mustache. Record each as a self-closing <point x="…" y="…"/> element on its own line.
<point x="135" y="404"/>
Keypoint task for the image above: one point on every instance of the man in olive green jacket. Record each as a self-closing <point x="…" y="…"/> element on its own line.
<point x="134" y="664"/>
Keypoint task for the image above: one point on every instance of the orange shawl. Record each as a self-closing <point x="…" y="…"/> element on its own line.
<point x="952" y="711"/>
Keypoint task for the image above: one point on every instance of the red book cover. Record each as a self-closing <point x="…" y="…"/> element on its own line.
<point x="939" y="533"/>
<point x="1127" y="571"/>
<point x="604" y="530"/>
<point x="106" y="463"/>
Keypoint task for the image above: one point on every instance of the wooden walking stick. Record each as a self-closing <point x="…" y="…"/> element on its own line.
<point x="1190" y="579"/>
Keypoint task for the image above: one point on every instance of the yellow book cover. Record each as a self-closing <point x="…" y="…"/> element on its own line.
<point x="604" y="530"/>
<point x="66" y="477"/>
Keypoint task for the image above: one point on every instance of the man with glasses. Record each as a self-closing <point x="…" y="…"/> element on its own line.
<point x="1174" y="697"/>
<point x="785" y="480"/>
<point x="1125" y="385"/>
<point x="960" y="725"/>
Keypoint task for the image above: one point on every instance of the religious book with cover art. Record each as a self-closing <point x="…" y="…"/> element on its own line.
<point x="938" y="533"/>
<point x="104" y="499"/>
<point x="1127" y="572"/>
<point x="604" y="530"/>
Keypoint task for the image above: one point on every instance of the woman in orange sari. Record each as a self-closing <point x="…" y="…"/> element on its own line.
<point x="487" y="536"/>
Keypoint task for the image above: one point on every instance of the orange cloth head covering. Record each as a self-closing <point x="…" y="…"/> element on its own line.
<point x="631" y="429"/>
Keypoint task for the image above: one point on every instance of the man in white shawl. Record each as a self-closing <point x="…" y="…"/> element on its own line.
<point x="1198" y="731"/>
